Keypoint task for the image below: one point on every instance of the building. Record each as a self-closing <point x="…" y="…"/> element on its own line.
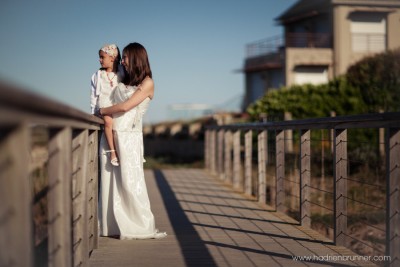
<point x="322" y="38"/>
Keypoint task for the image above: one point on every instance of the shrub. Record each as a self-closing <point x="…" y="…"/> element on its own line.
<point x="378" y="78"/>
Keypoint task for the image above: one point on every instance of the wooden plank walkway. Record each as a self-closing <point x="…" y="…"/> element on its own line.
<point x="208" y="224"/>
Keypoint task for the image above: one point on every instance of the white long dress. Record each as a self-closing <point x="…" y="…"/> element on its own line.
<point x="130" y="214"/>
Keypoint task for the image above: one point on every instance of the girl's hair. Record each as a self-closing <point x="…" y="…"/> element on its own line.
<point x="117" y="61"/>
<point x="138" y="66"/>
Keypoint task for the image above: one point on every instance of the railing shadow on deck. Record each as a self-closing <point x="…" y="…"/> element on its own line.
<point x="48" y="181"/>
<point x="230" y="157"/>
<point x="188" y="238"/>
<point x="227" y="239"/>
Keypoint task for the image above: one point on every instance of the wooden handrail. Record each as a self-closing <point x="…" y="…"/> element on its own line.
<point x="373" y="120"/>
<point x="15" y="98"/>
<point x="47" y="143"/>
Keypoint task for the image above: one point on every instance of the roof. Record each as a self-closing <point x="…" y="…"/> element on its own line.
<point x="308" y="8"/>
<point x="303" y="9"/>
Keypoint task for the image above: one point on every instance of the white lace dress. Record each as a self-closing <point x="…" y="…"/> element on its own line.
<point x="128" y="206"/>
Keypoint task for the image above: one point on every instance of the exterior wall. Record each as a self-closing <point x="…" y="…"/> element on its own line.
<point x="393" y="31"/>
<point x="307" y="56"/>
<point x="343" y="53"/>
<point x="341" y="43"/>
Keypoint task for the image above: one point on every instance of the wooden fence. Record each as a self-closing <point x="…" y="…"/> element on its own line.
<point x="229" y="156"/>
<point x="48" y="181"/>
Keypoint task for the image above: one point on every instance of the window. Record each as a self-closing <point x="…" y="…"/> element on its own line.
<point x="311" y="74"/>
<point x="368" y="32"/>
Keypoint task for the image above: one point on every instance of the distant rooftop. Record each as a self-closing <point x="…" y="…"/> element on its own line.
<point x="303" y="9"/>
<point x="308" y="8"/>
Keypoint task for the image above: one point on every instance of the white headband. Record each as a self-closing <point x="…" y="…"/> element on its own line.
<point x="110" y="49"/>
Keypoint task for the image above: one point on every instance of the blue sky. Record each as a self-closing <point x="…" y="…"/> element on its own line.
<point x="51" y="46"/>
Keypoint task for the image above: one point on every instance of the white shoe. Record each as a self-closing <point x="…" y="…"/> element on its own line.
<point x="114" y="161"/>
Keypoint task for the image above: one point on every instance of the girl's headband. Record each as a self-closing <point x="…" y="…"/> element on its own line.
<point x="110" y="49"/>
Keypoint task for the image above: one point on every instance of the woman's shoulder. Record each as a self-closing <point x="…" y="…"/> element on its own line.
<point x="147" y="83"/>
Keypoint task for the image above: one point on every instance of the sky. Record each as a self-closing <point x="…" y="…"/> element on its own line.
<point x="195" y="47"/>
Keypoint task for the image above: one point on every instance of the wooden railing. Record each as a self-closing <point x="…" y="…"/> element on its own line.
<point x="229" y="156"/>
<point x="48" y="181"/>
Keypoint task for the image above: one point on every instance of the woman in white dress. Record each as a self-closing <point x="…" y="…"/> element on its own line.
<point x="130" y="214"/>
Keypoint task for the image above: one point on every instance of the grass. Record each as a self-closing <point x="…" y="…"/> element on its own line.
<point x="170" y="163"/>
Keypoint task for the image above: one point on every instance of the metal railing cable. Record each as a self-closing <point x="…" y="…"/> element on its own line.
<point x="338" y="163"/>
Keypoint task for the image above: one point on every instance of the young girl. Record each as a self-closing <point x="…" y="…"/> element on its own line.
<point x="103" y="83"/>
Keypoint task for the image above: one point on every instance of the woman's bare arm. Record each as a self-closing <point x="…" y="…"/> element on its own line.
<point x="146" y="89"/>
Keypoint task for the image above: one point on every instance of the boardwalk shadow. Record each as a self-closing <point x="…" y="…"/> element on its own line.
<point x="193" y="248"/>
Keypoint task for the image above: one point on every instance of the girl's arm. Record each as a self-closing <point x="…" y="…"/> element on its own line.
<point x="93" y="94"/>
<point x="146" y="89"/>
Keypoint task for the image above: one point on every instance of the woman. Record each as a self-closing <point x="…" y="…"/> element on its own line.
<point x="130" y="215"/>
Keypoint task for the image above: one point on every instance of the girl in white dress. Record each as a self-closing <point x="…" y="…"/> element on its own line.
<point x="131" y="216"/>
<point x="103" y="83"/>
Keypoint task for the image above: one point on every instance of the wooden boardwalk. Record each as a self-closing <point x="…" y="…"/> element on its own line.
<point x="208" y="224"/>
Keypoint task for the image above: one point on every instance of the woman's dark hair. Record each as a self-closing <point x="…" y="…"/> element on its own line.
<point x="138" y="66"/>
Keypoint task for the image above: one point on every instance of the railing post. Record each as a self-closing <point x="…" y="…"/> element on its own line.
<point x="248" y="151"/>
<point x="305" y="179"/>
<point x="340" y="187"/>
<point x="207" y="149"/>
<point x="262" y="167"/>
<point x="393" y="196"/>
<point x="220" y="156"/>
<point x="80" y="245"/>
<point x="213" y="154"/>
<point x="237" y="163"/>
<point x="332" y="133"/>
<point x="93" y="189"/>
<point x="59" y="197"/>
<point x="288" y="134"/>
<point x="16" y="233"/>
<point x="228" y="157"/>
<point x="280" y="171"/>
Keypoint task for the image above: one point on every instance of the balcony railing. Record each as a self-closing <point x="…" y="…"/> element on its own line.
<point x="273" y="44"/>
<point x="309" y="40"/>
<point x="264" y="46"/>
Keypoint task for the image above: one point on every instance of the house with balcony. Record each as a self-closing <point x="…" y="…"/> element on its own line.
<point x="321" y="39"/>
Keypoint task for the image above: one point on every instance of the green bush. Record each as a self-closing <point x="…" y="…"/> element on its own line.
<point x="310" y="101"/>
<point x="370" y="85"/>
<point x="378" y="78"/>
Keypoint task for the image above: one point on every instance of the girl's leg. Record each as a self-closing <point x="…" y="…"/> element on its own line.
<point x="109" y="135"/>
